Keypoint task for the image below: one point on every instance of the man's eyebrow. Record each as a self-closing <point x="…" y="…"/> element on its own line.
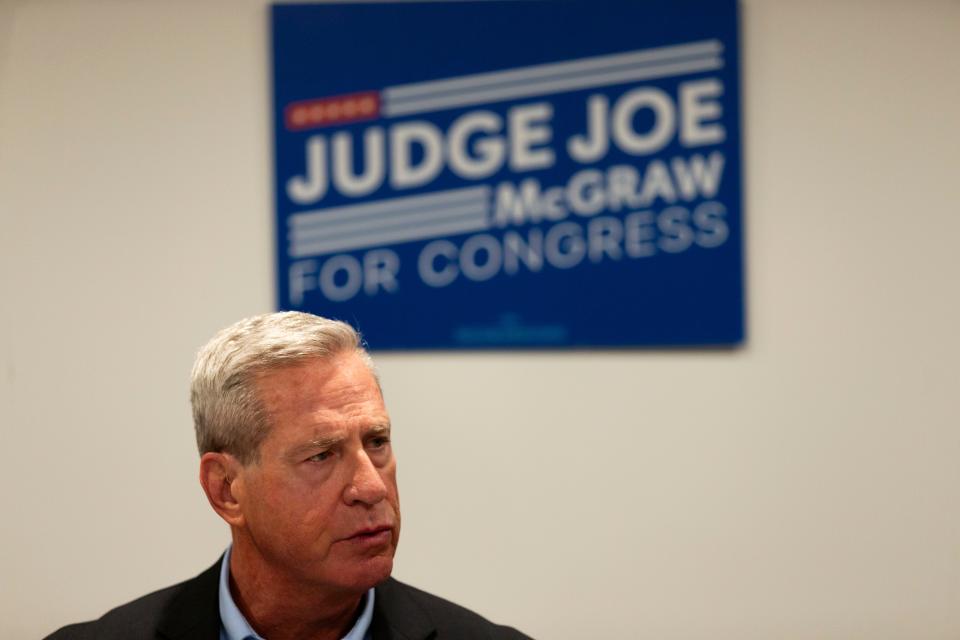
<point x="323" y="442"/>
<point x="326" y="442"/>
<point x="378" y="430"/>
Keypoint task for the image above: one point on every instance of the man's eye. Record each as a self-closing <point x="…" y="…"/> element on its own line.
<point x="379" y="442"/>
<point x="319" y="457"/>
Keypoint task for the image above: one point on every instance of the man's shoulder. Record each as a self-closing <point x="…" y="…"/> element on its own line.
<point x="126" y="621"/>
<point x="408" y="609"/>
<point x="186" y="604"/>
<point x="191" y="609"/>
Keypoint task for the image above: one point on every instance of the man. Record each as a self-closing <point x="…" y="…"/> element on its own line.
<point x="296" y="457"/>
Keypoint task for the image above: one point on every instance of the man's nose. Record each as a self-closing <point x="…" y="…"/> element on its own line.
<point x="365" y="485"/>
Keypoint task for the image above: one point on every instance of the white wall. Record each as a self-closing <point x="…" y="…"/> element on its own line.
<point x="806" y="486"/>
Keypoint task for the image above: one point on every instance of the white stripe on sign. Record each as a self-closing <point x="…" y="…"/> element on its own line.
<point x="364" y="227"/>
<point x="559" y="76"/>
<point x="402" y="219"/>
<point x="552" y="86"/>
<point x="407" y="234"/>
<point x="391" y="205"/>
<point x="541" y="71"/>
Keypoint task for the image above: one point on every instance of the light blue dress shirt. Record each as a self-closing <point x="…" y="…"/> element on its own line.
<point x="233" y="626"/>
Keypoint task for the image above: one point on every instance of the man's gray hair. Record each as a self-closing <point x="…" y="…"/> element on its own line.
<point x="228" y="414"/>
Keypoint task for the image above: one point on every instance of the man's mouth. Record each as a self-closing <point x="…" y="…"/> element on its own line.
<point x="372" y="535"/>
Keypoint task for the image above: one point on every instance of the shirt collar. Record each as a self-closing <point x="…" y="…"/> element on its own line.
<point x="233" y="626"/>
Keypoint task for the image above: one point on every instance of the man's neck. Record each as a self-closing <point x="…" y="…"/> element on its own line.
<point x="280" y="609"/>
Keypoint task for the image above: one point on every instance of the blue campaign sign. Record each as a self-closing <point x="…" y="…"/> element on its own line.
<point x="517" y="173"/>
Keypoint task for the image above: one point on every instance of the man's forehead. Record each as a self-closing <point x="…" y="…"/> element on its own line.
<point x="314" y="405"/>
<point x="316" y="384"/>
<point x="317" y="370"/>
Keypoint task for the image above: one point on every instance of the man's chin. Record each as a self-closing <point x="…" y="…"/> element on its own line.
<point x="368" y="573"/>
<point x="380" y="569"/>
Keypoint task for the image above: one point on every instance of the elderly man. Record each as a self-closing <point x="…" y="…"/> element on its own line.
<point x="296" y="457"/>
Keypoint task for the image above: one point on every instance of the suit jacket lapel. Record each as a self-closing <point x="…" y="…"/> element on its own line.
<point x="396" y="616"/>
<point x="194" y="613"/>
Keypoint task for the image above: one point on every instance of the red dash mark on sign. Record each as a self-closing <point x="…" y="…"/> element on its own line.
<point x="325" y="112"/>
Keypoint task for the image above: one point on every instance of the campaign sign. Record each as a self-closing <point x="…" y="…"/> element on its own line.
<point x="511" y="174"/>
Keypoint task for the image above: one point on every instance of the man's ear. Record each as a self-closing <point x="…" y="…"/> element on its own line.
<point x="221" y="479"/>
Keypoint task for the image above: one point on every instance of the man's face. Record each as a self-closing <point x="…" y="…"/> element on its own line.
<point x="321" y="504"/>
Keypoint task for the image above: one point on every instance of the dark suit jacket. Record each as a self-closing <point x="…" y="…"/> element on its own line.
<point x="191" y="611"/>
